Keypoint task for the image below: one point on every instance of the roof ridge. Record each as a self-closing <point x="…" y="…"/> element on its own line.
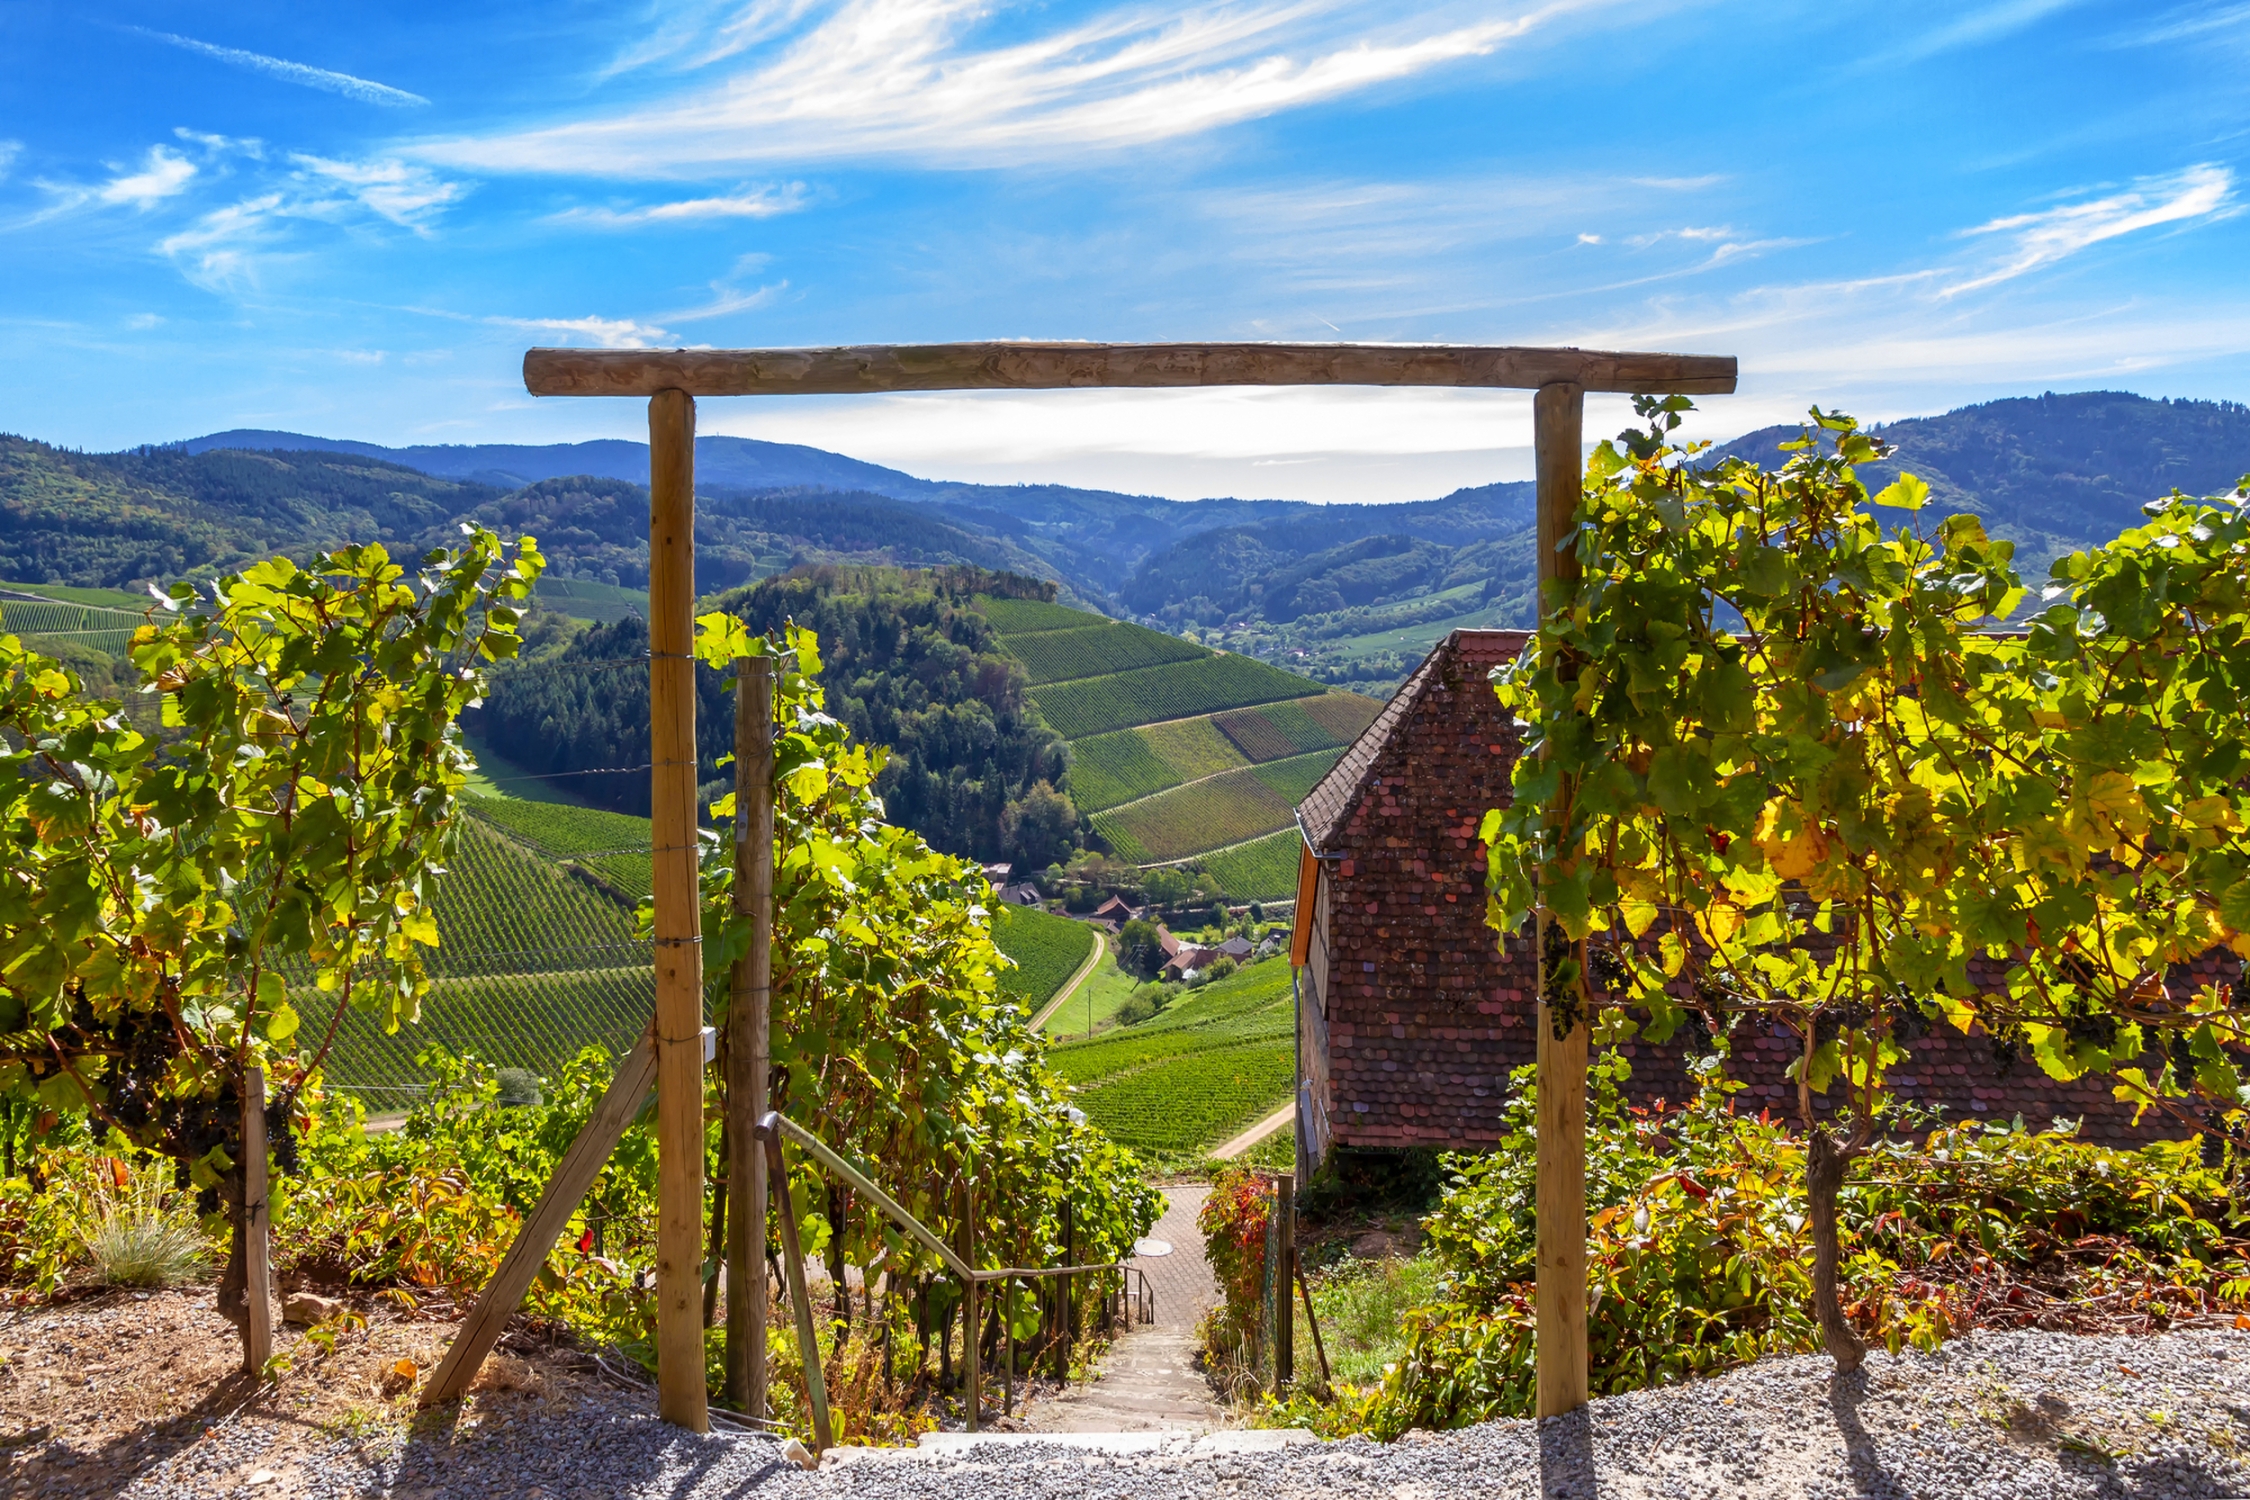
<point x="1332" y="798"/>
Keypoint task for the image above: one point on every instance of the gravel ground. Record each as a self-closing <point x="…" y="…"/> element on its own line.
<point x="2030" y="1415"/>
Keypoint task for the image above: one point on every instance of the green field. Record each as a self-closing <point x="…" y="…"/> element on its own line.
<point x="1280" y="730"/>
<point x="584" y="599"/>
<point x="124" y="599"/>
<point x="104" y="629"/>
<point x="1180" y="690"/>
<point x="1102" y="995"/>
<point x="1023" y="616"/>
<point x="534" y="962"/>
<point x="1047" y="950"/>
<point x="502" y="908"/>
<point x="1214" y="1062"/>
<point x="534" y="1021"/>
<point x="1210" y="814"/>
<point x="1262" y="871"/>
<point x="1113" y="768"/>
<point x="613" y="845"/>
<point x="1096" y="651"/>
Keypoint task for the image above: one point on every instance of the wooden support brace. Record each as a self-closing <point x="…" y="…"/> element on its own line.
<point x="1558" y="425"/>
<point x="1284" y="1322"/>
<point x="800" y="1299"/>
<point x="257" y="1228"/>
<point x="573" y="1180"/>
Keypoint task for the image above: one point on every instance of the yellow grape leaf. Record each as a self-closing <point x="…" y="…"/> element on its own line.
<point x="1719" y="921"/>
<point x="1639" y="915"/>
<point x="1671" y="951"/>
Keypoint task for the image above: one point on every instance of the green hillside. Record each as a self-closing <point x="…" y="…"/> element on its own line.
<point x="535" y="961"/>
<point x="1178" y="753"/>
<point x="1214" y="1062"/>
<point x="537" y="957"/>
<point x="1047" y="950"/>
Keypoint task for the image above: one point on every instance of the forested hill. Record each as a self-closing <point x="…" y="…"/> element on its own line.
<point x="2057" y="472"/>
<point x="154" y="514"/>
<point x="907" y="662"/>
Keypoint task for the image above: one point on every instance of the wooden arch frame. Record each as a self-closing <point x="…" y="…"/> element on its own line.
<point x="672" y="379"/>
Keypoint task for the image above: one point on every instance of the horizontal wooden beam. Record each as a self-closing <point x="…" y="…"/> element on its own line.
<point x="872" y="368"/>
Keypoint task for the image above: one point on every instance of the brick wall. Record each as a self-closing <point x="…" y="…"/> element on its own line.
<point x="1426" y="1015"/>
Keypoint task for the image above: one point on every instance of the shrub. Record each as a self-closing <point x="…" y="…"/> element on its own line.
<point x="141" y="1235"/>
<point x="1699" y="1253"/>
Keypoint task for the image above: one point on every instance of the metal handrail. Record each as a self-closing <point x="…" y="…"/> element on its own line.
<point x="770" y="1130"/>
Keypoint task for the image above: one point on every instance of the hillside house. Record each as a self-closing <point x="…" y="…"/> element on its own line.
<point x="1410" y="1013"/>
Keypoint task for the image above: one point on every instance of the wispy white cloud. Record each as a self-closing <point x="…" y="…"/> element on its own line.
<point x="891" y="78"/>
<point x="162" y="173"/>
<point x="409" y="196"/>
<point x="9" y="151"/>
<point x="2033" y="240"/>
<point x="217" y="250"/>
<point x="743" y="203"/>
<point x="603" y="333"/>
<point x="1972" y="28"/>
<point x="2192" y="23"/>
<point x="366" y="91"/>
<point x="224" y="248"/>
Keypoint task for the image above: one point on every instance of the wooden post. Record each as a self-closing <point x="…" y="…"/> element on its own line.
<point x="1558" y="423"/>
<point x="1284" y="1316"/>
<point x="749" y="1021"/>
<point x="679" y="955"/>
<point x="257" y="1228"/>
<point x="566" y="1189"/>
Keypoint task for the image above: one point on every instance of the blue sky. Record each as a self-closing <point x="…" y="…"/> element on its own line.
<point x="352" y="220"/>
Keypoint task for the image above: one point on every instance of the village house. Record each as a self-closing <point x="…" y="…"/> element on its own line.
<point x="1411" y="1013"/>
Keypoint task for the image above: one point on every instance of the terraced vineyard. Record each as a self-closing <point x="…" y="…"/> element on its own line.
<point x="535" y="961"/>
<point x="1178" y="1085"/>
<point x="1178" y="751"/>
<point x="1047" y="950"/>
<point x="104" y="628"/>
<point x="1263" y="870"/>
<point x="614" y="846"/>
<point x="1091" y="705"/>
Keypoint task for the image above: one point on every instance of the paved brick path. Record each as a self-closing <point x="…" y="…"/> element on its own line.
<point x="1149" y="1381"/>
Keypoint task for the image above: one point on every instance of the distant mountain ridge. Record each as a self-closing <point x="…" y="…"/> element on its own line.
<point x="1349" y="593"/>
<point x="731" y="462"/>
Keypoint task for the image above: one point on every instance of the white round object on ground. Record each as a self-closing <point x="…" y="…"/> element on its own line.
<point x="1151" y="1248"/>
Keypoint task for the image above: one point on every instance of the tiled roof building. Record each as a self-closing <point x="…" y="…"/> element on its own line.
<point x="1411" y="1014"/>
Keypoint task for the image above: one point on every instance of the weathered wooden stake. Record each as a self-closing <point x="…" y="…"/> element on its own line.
<point x="1558" y="425"/>
<point x="1284" y="1316"/>
<point x="749" y="1043"/>
<point x="972" y="1332"/>
<point x="257" y="1228"/>
<point x="680" y="1394"/>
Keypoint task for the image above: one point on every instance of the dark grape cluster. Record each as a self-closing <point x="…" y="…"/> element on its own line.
<point x="1608" y="969"/>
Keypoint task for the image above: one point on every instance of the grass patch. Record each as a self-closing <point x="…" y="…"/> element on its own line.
<point x="613" y="845"/>
<point x="1094" y="1006"/>
<point x="1363" y="1306"/>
